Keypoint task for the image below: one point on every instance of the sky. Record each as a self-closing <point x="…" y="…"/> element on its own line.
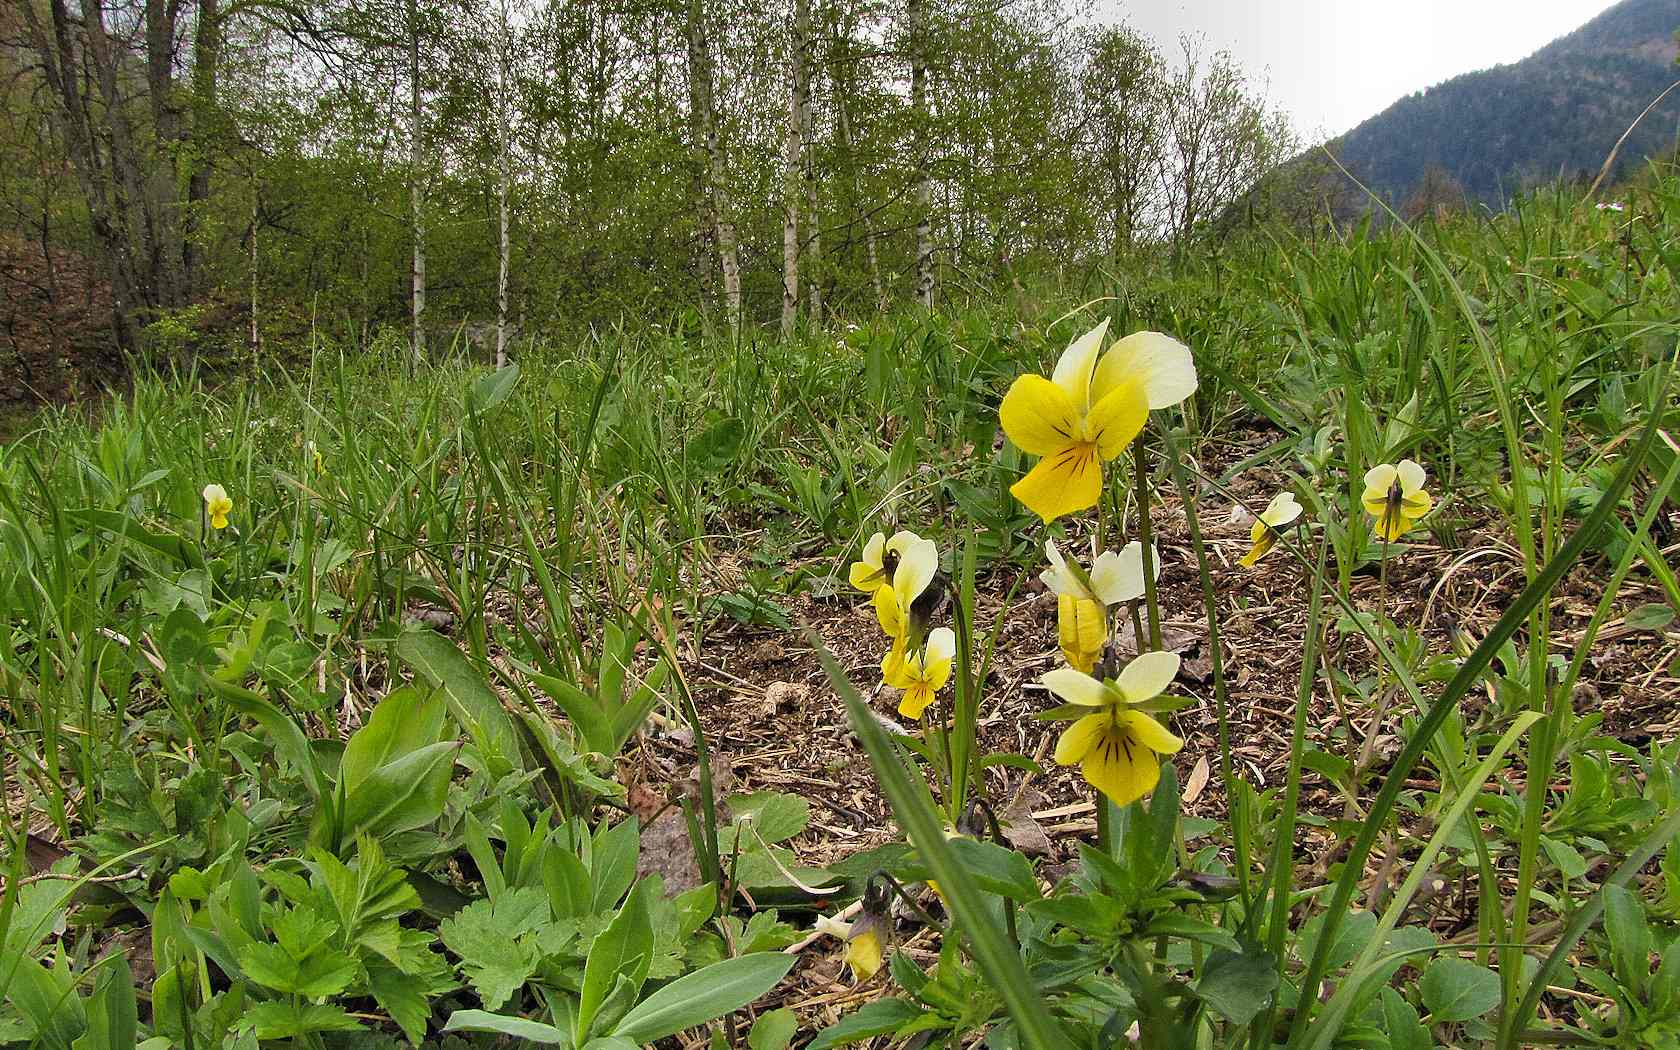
<point x="1332" y="63"/>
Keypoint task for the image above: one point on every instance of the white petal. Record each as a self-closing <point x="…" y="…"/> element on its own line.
<point x="872" y="550"/>
<point x="1057" y="577"/>
<point x="941" y="646"/>
<point x="1148" y="676"/>
<point x="1379" y="478"/>
<point x="214" y="491"/>
<point x="1162" y="364"/>
<point x="1077" y="363"/>
<point x="1411" y="475"/>
<point x="1281" y="511"/>
<point x="1077" y="687"/>
<point x="918" y="561"/>
<point x="1118" y="577"/>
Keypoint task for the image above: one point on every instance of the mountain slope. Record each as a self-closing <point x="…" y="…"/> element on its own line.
<point x="1557" y="112"/>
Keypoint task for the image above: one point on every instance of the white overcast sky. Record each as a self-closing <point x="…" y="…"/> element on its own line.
<point x="1332" y="63"/>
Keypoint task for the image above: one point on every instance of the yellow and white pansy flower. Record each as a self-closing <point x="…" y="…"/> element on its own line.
<point x="1117" y="747"/>
<point x="1395" y="497"/>
<point x="217" y="505"/>
<point x="1082" y="599"/>
<point x="923" y="672"/>
<point x="1262" y="536"/>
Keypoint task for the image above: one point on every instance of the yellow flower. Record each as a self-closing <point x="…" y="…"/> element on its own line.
<point x="903" y="565"/>
<point x="1082" y="598"/>
<point x="1116" y="746"/>
<point x="1088" y="411"/>
<point x="865" y="943"/>
<point x="217" y="506"/>
<point x="315" y="455"/>
<point x="1280" y="512"/>
<point x="922" y="673"/>
<point x="1394" y="496"/>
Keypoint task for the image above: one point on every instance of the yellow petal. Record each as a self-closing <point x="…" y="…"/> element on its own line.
<point x="1117" y="418"/>
<point x="1147" y="676"/>
<point x="863" y="955"/>
<point x="1076" y="365"/>
<point x="1261" y="543"/>
<point x="1416" y="504"/>
<point x="1039" y="417"/>
<point x="1121" y="768"/>
<point x="1391" y="524"/>
<point x="1158" y="363"/>
<point x="1078" y="739"/>
<point x="1150" y="733"/>
<point x="866" y="573"/>
<point x="915" y="700"/>
<point x="1081" y="625"/>
<point x="893" y="665"/>
<point x="887" y="612"/>
<point x="1068" y="480"/>
<point x="1082" y="660"/>
<point x="218" y="521"/>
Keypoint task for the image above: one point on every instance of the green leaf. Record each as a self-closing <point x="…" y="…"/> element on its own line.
<point x="491" y="390"/>
<point x="773" y="1031"/>
<point x="289" y="1018"/>
<point x="1630" y="939"/>
<point x="403" y="722"/>
<point x="1405" y="1031"/>
<point x="402" y="795"/>
<point x="288" y="738"/>
<point x="1457" y="989"/>
<point x="518" y="1027"/>
<point x="704" y="995"/>
<point x="1237" y="985"/>
<point x="174" y="547"/>
<point x="1570" y="863"/>
<point x="495" y="942"/>
<point x="401" y="995"/>
<point x="113" y="1019"/>
<point x="881" y="1017"/>
<point x="1178" y="924"/>
<point x="775" y="815"/>
<point x="473" y="703"/>
<point x="1653" y="616"/>
<point x="624" y="948"/>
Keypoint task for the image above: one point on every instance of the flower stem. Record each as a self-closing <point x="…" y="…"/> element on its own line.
<point x="1146" y="538"/>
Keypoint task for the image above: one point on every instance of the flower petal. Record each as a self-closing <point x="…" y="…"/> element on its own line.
<point x="1117" y="418"/>
<point x="915" y="700"/>
<point x="1282" y="510"/>
<point x="888" y="613"/>
<point x="1412" y="476"/>
<point x="1147" y="676"/>
<point x="1119" y="577"/>
<point x="1150" y="733"/>
<point x="1078" y="739"/>
<point x="1070" y="480"/>
<point x="1039" y="417"/>
<point x="1416" y="504"/>
<point x="1057" y="577"/>
<point x="1121" y="768"/>
<point x="1081" y="628"/>
<point x="214" y="492"/>
<point x="941" y="647"/>
<point x="1076" y="365"/>
<point x="1077" y="687"/>
<point x="1378" y="480"/>
<point x="1161" y="365"/>
<point x="918" y="561"/>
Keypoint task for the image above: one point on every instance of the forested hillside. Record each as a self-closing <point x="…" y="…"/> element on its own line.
<point x="1557" y="113"/>
<point x="445" y="165"/>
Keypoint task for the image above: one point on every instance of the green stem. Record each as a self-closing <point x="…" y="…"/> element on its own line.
<point x="1146" y="538"/>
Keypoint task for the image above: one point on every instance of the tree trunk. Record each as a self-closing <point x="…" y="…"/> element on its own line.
<point x="504" y="256"/>
<point x="207" y="58"/>
<point x="793" y="166"/>
<point x="914" y="18"/>
<point x="812" y="247"/>
<point x="710" y="149"/>
<point x="844" y="83"/>
<point x="416" y="157"/>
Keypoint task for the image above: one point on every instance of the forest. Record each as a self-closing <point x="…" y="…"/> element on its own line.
<point x="498" y="168"/>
